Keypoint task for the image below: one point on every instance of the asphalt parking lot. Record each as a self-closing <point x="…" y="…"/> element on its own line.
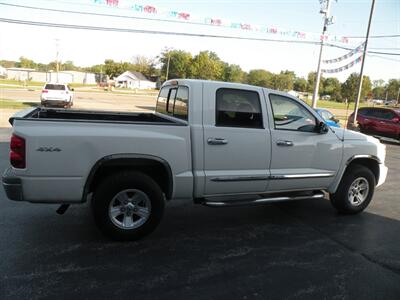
<point x="297" y="250"/>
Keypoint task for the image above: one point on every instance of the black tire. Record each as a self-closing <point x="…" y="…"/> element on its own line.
<point x="124" y="182"/>
<point x="361" y="129"/>
<point x="342" y="199"/>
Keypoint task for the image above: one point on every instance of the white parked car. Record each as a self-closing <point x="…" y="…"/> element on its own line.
<point x="57" y="95"/>
<point x="377" y="101"/>
<point x="216" y="143"/>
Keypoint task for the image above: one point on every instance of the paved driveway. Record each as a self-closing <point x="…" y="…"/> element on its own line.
<point x="297" y="250"/>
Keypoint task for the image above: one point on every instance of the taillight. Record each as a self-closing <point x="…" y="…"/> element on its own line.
<point x="17" y="152"/>
<point x="45" y="91"/>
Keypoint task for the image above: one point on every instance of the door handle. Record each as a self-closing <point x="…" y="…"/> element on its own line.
<point x="217" y="141"/>
<point x="284" y="143"/>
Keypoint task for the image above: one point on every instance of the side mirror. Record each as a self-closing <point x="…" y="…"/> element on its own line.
<point x="322" y="128"/>
<point x="396" y="120"/>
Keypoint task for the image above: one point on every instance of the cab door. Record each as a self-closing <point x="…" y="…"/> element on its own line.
<point x="302" y="158"/>
<point x="237" y="146"/>
<point x="385" y="125"/>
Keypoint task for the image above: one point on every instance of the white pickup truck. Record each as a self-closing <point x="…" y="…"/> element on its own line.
<point x="217" y="143"/>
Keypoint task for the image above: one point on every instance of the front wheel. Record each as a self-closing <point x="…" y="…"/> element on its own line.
<point x="355" y="190"/>
<point x="128" y="205"/>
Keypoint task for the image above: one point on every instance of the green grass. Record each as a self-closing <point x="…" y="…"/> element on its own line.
<point x="335" y="105"/>
<point x="78" y="85"/>
<point x="21" y="83"/>
<point x="11" y="104"/>
<point x="12" y="87"/>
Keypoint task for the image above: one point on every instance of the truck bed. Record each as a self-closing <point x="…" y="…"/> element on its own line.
<point x="66" y="115"/>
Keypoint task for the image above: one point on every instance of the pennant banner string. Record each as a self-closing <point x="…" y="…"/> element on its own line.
<point x="347" y="55"/>
<point x="186" y="17"/>
<point x="345" y="67"/>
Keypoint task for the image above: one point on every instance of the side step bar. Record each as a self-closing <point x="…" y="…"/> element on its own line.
<point x="317" y="195"/>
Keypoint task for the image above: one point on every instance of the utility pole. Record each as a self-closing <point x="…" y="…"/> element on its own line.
<point x="362" y="65"/>
<point x="169" y="58"/>
<point x="328" y="20"/>
<point x="57" y="54"/>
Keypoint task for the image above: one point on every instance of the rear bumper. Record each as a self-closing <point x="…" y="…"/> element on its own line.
<point x="12" y="185"/>
<point x="60" y="103"/>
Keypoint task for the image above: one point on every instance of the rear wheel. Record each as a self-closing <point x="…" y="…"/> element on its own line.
<point x="355" y="190"/>
<point x="128" y="205"/>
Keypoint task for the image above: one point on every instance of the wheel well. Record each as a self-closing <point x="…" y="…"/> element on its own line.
<point x="159" y="171"/>
<point x="371" y="164"/>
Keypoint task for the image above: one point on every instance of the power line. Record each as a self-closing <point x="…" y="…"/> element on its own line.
<point x="127" y="30"/>
<point x="383" y="57"/>
<point x="115" y="29"/>
<point x="384" y="48"/>
<point x="111" y="15"/>
<point x="100" y="14"/>
<point x="375" y="36"/>
<point x="372" y="52"/>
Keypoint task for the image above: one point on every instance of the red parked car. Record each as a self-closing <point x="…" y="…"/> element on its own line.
<point x="378" y="121"/>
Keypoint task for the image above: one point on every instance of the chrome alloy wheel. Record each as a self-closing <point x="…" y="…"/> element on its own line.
<point x="358" y="191"/>
<point x="129" y="209"/>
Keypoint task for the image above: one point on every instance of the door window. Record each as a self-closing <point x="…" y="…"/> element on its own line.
<point x="290" y="115"/>
<point x="238" y="108"/>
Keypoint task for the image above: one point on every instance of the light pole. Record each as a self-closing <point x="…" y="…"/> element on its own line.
<point x="362" y="66"/>
<point x="57" y="54"/>
<point x="168" y="51"/>
<point x="169" y="58"/>
<point x="327" y="21"/>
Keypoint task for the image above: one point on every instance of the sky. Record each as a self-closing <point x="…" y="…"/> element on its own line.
<point x="86" y="47"/>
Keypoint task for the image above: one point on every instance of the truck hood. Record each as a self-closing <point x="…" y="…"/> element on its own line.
<point x="349" y="135"/>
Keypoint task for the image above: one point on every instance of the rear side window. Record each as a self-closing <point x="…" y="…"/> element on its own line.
<point x="364" y="111"/>
<point x="326" y="115"/>
<point x="181" y="103"/>
<point x="385" y="114"/>
<point x="173" y="101"/>
<point x="238" y="108"/>
<point x="57" y="87"/>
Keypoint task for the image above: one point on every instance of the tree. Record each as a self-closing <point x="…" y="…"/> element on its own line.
<point x="95" y="69"/>
<point x="350" y="87"/>
<point x="207" y="65"/>
<point x="69" y="66"/>
<point x="311" y="83"/>
<point x="284" y="81"/>
<point x="332" y="87"/>
<point x="233" y="73"/>
<point x="300" y="84"/>
<point x="260" y="77"/>
<point x="144" y="65"/>
<point x="179" y="64"/>
<point x="26" y="63"/>
<point x="393" y="89"/>
<point x="114" y="69"/>
<point x="378" y="83"/>
<point x="379" y="92"/>
<point x="8" y="63"/>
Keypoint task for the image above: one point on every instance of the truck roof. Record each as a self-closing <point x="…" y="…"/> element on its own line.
<point x="232" y="84"/>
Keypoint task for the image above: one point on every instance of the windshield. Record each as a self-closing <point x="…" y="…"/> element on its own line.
<point x="56" y="87"/>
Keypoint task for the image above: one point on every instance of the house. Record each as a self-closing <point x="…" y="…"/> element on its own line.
<point x="2" y="72"/>
<point x="134" y="80"/>
<point x="19" y="74"/>
<point x="22" y="74"/>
